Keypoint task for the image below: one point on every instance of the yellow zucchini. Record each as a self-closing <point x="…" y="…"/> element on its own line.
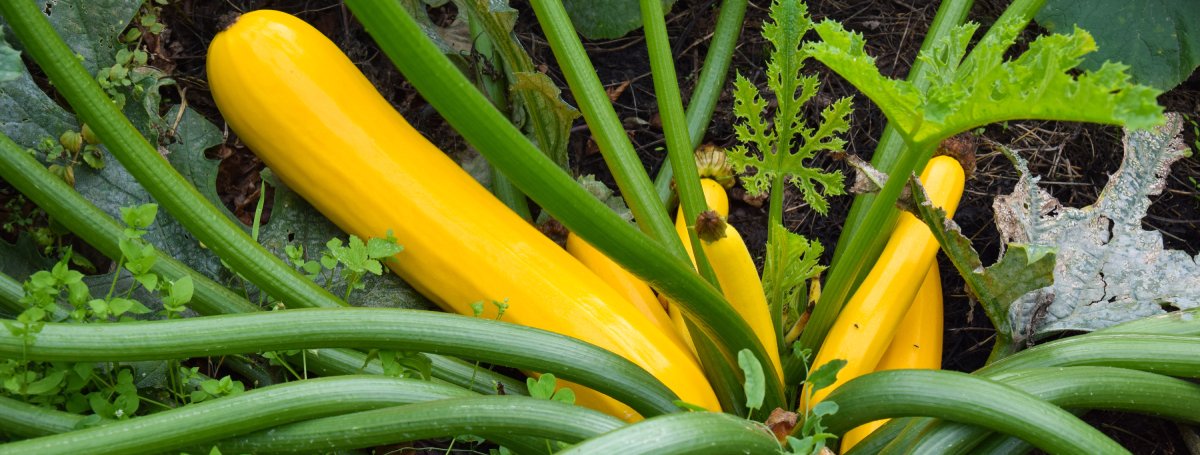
<point x="917" y="344"/>
<point x="303" y="107"/>
<point x="718" y="201"/>
<point x="868" y="322"/>
<point x="741" y="285"/>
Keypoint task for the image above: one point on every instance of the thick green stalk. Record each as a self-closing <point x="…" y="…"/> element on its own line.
<point x="233" y="415"/>
<point x="21" y="419"/>
<point x="871" y="231"/>
<point x="964" y="398"/>
<point x="679" y="434"/>
<point x="709" y="86"/>
<point x="606" y="128"/>
<point x="101" y="231"/>
<point x="1133" y="345"/>
<point x="366" y="328"/>
<point x="11" y="293"/>
<point x="1171" y="355"/>
<point x="557" y="193"/>
<point x="1077" y="389"/>
<point x="487" y="416"/>
<point x="679" y="147"/>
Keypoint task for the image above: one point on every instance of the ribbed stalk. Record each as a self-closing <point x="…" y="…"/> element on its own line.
<point x="964" y="398"/>
<point x="464" y="108"/>
<point x="98" y="229"/>
<point x="11" y="293"/>
<point x="1078" y="388"/>
<point x="375" y="328"/>
<point x="688" y="433"/>
<point x="488" y="416"/>
<point x="1171" y="355"/>
<point x="709" y="86"/>
<point x="230" y="416"/>
<point x="679" y="146"/>
<point x="25" y="420"/>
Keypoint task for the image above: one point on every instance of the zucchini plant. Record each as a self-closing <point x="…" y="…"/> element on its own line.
<point x="300" y="104"/>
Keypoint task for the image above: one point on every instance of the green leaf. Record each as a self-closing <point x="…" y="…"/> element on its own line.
<point x="47" y="384"/>
<point x="825" y="375"/>
<point x="791" y="261"/>
<point x="755" y="384"/>
<point x="607" y="19"/>
<point x="542" y="387"/>
<point x="772" y="148"/>
<point x="1158" y="39"/>
<point x="988" y="88"/>
<point x="139" y="217"/>
<point x="1110" y="269"/>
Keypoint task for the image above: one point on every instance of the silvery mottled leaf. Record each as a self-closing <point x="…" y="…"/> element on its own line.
<point x="1109" y="269"/>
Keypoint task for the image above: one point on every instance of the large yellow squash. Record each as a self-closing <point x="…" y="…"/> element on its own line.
<point x="315" y="120"/>
<point x="866" y="325"/>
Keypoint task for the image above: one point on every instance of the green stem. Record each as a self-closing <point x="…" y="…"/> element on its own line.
<point x="101" y="231"/>
<point x="709" y="86"/>
<point x="11" y="293"/>
<point x="486" y="416"/>
<point x="679" y="147"/>
<point x="373" y="328"/>
<point x="1078" y="389"/>
<point x="678" y="434"/>
<point x="452" y="95"/>
<point x="964" y="398"/>
<point x="1171" y="355"/>
<point x="606" y="128"/>
<point x="233" y="415"/>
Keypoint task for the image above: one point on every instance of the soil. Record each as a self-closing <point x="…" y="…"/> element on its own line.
<point x="1074" y="160"/>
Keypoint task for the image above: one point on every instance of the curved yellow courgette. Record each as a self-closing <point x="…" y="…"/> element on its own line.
<point x="917" y="344"/>
<point x="718" y="201"/>
<point x="869" y="320"/>
<point x="741" y="285"/>
<point x="304" y="108"/>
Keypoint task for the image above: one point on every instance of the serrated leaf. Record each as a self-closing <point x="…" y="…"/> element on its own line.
<point x="1158" y="39"/>
<point x="986" y="88"/>
<point x="791" y="260"/>
<point x="1021" y="269"/>
<point x="755" y="384"/>
<point x="1110" y="270"/>
<point x="453" y="40"/>
<point x="607" y="19"/>
<point x="772" y="149"/>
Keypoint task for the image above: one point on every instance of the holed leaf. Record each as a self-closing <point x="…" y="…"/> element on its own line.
<point x="1109" y="269"/>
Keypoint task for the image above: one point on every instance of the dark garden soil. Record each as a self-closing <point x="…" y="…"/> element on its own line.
<point x="1074" y="160"/>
